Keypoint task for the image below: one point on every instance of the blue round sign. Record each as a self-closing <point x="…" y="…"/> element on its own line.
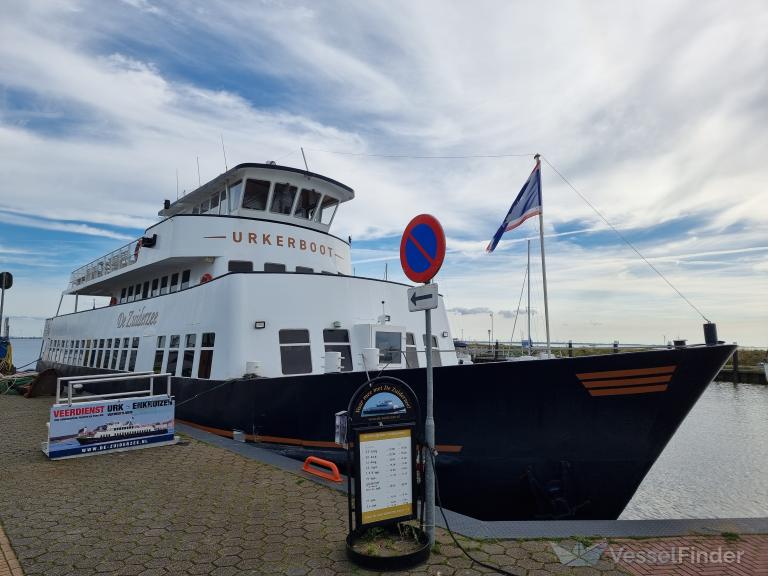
<point x="422" y="248"/>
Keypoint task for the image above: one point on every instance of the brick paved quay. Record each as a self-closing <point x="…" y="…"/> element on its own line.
<point x="198" y="509"/>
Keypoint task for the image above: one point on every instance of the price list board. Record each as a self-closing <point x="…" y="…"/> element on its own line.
<point x="386" y="476"/>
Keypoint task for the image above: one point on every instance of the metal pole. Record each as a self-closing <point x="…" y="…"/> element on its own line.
<point x="2" y="303"/>
<point x="543" y="265"/>
<point x="429" y="433"/>
<point x="529" y="297"/>
<point x="76" y="296"/>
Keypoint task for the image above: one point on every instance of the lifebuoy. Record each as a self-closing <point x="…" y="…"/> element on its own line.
<point x="205" y="278"/>
<point x="112" y="301"/>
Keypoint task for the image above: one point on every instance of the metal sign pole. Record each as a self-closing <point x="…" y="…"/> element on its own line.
<point x="429" y="433"/>
<point x="2" y="305"/>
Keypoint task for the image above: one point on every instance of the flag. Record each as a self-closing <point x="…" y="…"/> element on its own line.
<point x="526" y="205"/>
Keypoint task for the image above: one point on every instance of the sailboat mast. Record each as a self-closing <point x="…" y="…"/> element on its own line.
<point x="543" y="263"/>
<point x="529" y="296"/>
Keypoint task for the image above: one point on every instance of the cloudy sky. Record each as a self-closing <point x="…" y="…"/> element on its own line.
<point x="655" y="111"/>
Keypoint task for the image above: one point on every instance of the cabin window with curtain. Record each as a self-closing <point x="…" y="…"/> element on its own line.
<point x="328" y="209"/>
<point x="122" y="295"/>
<point x="185" y="279"/>
<point x="256" y="194"/>
<point x="173" y="354"/>
<point x="435" y="350"/>
<point x="206" y="355"/>
<point x="390" y="347"/>
<point x="282" y="198"/>
<point x="189" y="356"/>
<point x="164" y="285"/>
<point x="234" y="195"/>
<point x="337" y="340"/>
<point x="295" y="353"/>
<point x="411" y="356"/>
<point x="306" y="207"/>
<point x="155" y="287"/>
<point x="174" y="282"/>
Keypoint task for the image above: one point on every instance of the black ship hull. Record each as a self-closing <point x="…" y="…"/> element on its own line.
<point x="556" y="438"/>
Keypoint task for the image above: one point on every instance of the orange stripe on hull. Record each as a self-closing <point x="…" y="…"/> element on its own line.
<point x="628" y="390"/>
<point x="627" y="382"/>
<point x="621" y="373"/>
<point x="447" y="448"/>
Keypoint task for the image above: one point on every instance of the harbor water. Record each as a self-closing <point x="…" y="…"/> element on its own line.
<point x="716" y="465"/>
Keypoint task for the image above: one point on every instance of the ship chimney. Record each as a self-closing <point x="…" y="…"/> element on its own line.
<point x="710" y="333"/>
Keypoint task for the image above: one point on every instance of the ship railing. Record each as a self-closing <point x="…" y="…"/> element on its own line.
<point x="71" y="383"/>
<point x="116" y="260"/>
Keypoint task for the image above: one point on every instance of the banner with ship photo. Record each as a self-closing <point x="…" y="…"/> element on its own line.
<point x="108" y="425"/>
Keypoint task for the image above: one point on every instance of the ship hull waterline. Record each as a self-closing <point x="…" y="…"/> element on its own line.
<point x="550" y="438"/>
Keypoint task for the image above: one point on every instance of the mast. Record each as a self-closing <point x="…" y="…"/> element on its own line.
<point x="543" y="265"/>
<point x="529" y="297"/>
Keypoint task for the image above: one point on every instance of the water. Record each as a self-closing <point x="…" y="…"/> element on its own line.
<point x="716" y="465"/>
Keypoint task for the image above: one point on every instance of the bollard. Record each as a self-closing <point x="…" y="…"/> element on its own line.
<point x="570" y="348"/>
<point x="735" y="361"/>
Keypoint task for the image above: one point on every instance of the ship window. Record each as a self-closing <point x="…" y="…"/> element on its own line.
<point x="87" y="352"/>
<point x="175" y="282"/>
<point x="155" y="284"/>
<point x="338" y="341"/>
<point x="158" y="364"/>
<point x="161" y="341"/>
<point x="175" y="341"/>
<point x="163" y="285"/>
<point x="307" y="204"/>
<point x="190" y="340"/>
<point x="125" y="342"/>
<point x="273" y="267"/>
<point x="390" y="346"/>
<point x="132" y="362"/>
<point x="137" y="292"/>
<point x="186" y="366"/>
<point x="204" y="207"/>
<point x="101" y="343"/>
<point x="206" y="359"/>
<point x="123" y="358"/>
<point x="234" y="196"/>
<point x="115" y="354"/>
<point x="107" y="353"/>
<point x="305" y="270"/>
<point x="98" y="359"/>
<point x="130" y="293"/>
<point x="185" y="279"/>
<point x="145" y="291"/>
<point x="240" y="266"/>
<point x="328" y="209"/>
<point x="411" y="357"/>
<point x="173" y="357"/>
<point x="135" y="343"/>
<point x="295" y="354"/>
<point x="208" y="339"/>
<point x="282" y="198"/>
<point x="195" y="209"/>
<point x="214" y="209"/>
<point x="122" y="295"/>
<point x="435" y="350"/>
<point x="256" y="193"/>
<point x="223" y="206"/>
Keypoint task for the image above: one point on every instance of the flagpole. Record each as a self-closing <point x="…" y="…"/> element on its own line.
<point x="543" y="261"/>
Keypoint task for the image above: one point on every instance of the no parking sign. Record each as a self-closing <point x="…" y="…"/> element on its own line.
<point x="422" y="248"/>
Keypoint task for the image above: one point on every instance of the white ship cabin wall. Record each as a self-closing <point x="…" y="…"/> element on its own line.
<point x="242" y="276"/>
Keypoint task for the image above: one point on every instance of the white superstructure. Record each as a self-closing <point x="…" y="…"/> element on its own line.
<point x="242" y="276"/>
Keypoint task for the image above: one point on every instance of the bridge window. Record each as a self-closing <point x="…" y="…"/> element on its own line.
<point x="282" y="198"/>
<point x="164" y="285"/>
<point x="175" y="282"/>
<point x="307" y="204"/>
<point x="273" y="267"/>
<point x="256" y="194"/>
<point x="337" y="340"/>
<point x="295" y="354"/>
<point x="185" y="279"/>
<point x="435" y="350"/>
<point x="214" y="205"/>
<point x="223" y="206"/>
<point x="240" y="266"/>
<point x="155" y="284"/>
<point x="411" y="357"/>
<point x="234" y="195"/>
<point x="122" y="295"/>
<point x="130" y="293"/>
<point x="204" y="207"/>
<point x="390" y="346"/>
<point x="137" y="292"/>
<point x="328" y="209"/>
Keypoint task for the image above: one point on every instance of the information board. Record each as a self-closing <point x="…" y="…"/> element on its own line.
<point x="386" y="475"/>
<point x="109" y="425"/>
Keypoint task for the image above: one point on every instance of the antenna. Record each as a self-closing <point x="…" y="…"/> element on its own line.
<point x="177" y="183"/>
<point x="305" y="159"/>
<point x="224" y="150"/>
<point x="198" y="170"/>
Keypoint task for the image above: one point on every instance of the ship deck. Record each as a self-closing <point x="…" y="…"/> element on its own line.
<point x="211" y="505"/>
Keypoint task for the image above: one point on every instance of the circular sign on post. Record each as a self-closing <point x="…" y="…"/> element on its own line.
<point x="422" y="248"/>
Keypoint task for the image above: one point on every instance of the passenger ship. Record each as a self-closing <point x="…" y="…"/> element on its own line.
<point x="242" y="292"/>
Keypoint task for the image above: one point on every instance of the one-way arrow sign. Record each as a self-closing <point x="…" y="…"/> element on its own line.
<point x="422" y="298"/>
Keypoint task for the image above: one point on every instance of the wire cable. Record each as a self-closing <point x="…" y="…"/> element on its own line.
<point x="626" y="241"/>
